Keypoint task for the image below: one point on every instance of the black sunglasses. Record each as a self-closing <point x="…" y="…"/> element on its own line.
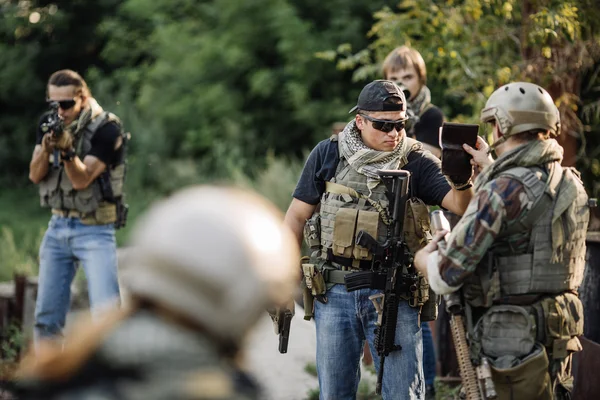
<point x="64" y="104"/>
<point x="385" y="125"/>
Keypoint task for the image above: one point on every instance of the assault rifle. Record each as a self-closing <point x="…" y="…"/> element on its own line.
<point x="391" y="268"/>
<point x="477" y="381"/>
<point x="54" y="124"/>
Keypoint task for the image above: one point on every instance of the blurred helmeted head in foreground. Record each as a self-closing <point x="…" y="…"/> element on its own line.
<point x="214" y="255"/>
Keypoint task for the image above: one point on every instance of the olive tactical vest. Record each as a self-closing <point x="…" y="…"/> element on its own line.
<point x="56" y="190"/>
<point x="343" y="215"/>
<point x="537" y="271"/>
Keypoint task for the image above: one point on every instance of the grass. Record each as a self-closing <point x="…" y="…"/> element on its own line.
<point x="23" y="222"/>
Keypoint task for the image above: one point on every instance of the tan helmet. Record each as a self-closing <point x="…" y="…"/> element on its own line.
<point x="217" y="255"/>
<point x="521" y="106"/>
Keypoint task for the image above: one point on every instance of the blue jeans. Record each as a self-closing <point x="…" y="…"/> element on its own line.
<point x="66" y="241"/>
<point x="429" y="360"/>
<point x="343" y="324"/>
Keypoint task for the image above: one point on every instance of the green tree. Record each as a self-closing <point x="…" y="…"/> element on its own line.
<point x="471" y="47"/>
<point x="37" y="38"/>
<point x="227" y="80"/>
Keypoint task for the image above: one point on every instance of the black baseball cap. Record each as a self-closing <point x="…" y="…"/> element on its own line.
<point x="381" y="95"/>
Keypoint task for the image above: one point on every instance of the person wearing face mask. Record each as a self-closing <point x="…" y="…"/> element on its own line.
<point x="79" y="164"/>
<point x="405" y="66"/>
<point x="339" y="193"/>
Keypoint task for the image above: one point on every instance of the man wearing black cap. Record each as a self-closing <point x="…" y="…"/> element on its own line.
<point x="339" y="193"/>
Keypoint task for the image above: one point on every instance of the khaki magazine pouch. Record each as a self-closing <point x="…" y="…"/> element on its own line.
<point x="343" y="232"/>
<point x="348" y="223"/>
<point x="367" y="221"/>
<point x="314" y="286"/>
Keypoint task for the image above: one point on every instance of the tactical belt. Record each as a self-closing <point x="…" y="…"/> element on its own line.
<point x="335" y="275"/>
<point x="348" y="262"/>
<point x="67" y="213"/>
<point x="106" y="213"/>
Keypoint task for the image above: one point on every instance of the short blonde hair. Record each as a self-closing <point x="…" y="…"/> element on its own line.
<point x="404" y="57"/>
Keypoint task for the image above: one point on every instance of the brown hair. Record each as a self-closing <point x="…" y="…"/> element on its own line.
<point x="66" y="77"/>
<point x="533" y="134"/>
<point x="404" y="57"/>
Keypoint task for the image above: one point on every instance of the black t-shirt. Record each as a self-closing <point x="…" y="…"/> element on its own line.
<point x="103" y="142"/>
<point x="427" y="130"/>
<point x="426" y="181"/>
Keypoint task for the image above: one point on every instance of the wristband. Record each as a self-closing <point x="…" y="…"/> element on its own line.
<point x="68" y="155"/>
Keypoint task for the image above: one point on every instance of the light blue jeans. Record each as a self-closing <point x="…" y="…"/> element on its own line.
<point x="66" y="241"/>
<point x="343" y="324"/>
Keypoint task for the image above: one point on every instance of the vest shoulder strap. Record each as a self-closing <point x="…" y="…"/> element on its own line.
<point x="542" y="192"/>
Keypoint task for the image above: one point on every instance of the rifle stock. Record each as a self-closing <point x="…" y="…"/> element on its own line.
<point x="477" y="382"/>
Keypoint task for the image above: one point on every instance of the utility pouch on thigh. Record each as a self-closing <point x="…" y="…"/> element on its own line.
<point x="312" y="232"/>
<point x="528" y="379"/>
<point x="429" y="311"/>
<point x="367" y="221"/>
<point x="506" y="332"/>
<point x="309" y="303"/>
<point x="343" y="232"/>
<point x="562" y="321"/>
<point x="314" y="285"/>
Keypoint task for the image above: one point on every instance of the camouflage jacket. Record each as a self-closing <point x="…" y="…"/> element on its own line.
<point x="499" y="203"/>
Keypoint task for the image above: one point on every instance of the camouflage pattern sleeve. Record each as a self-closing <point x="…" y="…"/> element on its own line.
<point x="495" y="206"/>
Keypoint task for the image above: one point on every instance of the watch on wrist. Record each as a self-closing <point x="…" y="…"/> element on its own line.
<point x="68" y="155"/>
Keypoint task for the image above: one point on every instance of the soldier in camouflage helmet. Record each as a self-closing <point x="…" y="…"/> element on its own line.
<point x="203" y="265"/>
<point x="518" y="253"/>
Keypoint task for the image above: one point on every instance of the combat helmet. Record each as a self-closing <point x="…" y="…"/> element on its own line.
<point x="217" y="255"/>
<point x="519" y="107"/>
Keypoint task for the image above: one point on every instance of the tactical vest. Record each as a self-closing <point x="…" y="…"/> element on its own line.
<point x="56" y="190"/>
<point x="535" y="271"/>
<point x="343" y="214"/>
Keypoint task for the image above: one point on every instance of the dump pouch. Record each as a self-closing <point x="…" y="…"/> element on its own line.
<point x="343" y="232"/>
<point x="456" y="162"/>
<point x="527" y="379"/>
<point x="367" y="221"/>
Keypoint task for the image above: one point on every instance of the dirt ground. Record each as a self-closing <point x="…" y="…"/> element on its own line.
<point x="282" y="376"/>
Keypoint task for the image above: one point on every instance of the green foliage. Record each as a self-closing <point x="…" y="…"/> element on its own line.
<point x="229" y="81"/>
<point x="311" y="369"/>
<point x="13" y="342"/>
<point x="19" y="258"/>
<point x="471" y="47"/>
